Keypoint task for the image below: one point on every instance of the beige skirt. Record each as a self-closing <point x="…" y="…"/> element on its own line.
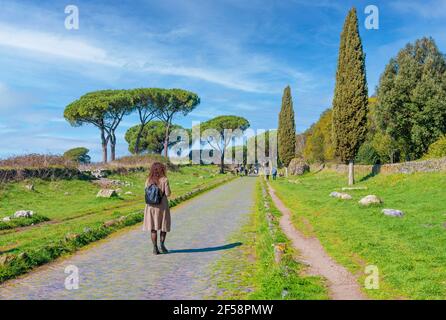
<point x="157" y="217"/>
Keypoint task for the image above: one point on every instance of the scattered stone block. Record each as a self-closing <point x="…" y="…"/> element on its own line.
<point x="279" y="250"/>
<point x="106" y="193"/>
<point x="29" y="187"/>
<point x="353" y="188"/>
<point x="23" y="214"/>
<point x="370" y="200"/>
<point x="71" y="236"/>
<point x="5" y="259"/>
<point x="129" y="193"/>
<point x="6" y="219"/>
<point x="298" y="167"/>
<point x="393" y="213"/>
<point x="340" y="195"/>
<point x="110" y="223"/>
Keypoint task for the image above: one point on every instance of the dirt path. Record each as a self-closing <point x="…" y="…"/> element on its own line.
<point x="342" y="284"/>
<point x="123" y="267"/>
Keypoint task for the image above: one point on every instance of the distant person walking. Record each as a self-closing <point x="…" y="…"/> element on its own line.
<point x="157" y="212"/>
<point x="274" y="173"/>
<point x="267" y="173"/>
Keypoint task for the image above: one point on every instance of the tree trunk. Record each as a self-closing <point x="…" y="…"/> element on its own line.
<point x="138" y="139"/>
<point x="113" y="147"/>
<point x="166" y="140"/>
<point x="351" y="173"/>
<point x="113" y="151"/>
<point x="222" y="163"/>
<point x="104" y="146"/>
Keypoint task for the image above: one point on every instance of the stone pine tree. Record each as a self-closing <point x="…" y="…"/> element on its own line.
<point x="350" y="96"/>
<point x="286" y="133"/>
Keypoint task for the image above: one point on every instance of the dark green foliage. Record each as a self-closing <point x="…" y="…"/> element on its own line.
<point x="350" y="97"/>
<point x="412" y="97"/>
<point x="286" y="133"/>
<point x="79" y="155"/>
<point x="221" y="124"/>
<point x="151" y="139"/>
<point x="367" y="154"/>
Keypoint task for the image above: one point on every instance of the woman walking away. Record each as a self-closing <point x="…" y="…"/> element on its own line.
<point x="157" y="213"/>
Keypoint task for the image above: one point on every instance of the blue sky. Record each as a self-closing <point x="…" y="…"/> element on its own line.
<point x="237" y="55"/>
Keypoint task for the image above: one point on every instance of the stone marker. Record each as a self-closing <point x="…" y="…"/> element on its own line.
<point x="279" y="250"/>
<point x="369" y="200"/>
<point x="5" y="259"/>
<point x="340" y="195"/>
<point x="298" y="167"/>
<point x="353" y="188"/>
<point x="106" y="193"/>
<point x="393" y="212"/>
<point x="23" y="214"/>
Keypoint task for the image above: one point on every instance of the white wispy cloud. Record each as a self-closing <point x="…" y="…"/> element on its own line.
<point x="47" y="45"/>
<point x="53" y="45"/>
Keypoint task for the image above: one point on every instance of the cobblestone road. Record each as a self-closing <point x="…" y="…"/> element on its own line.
<point x="123" y="267"/>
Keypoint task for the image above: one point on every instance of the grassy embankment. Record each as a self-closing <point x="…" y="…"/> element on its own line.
<point x="73" y="209"/>
<point x="409" y="252"/>
<point x="252" y="273"/>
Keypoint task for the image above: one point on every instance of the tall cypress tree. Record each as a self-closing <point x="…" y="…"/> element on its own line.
<point x="350" y="96"/>
<point x="286" y="133"/>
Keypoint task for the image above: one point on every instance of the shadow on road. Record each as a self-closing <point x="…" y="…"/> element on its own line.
<point x="219" y="248"/>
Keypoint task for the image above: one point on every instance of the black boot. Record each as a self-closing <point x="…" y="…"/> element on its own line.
<point x="163" y="248"/>
<point x="155" y="250"/>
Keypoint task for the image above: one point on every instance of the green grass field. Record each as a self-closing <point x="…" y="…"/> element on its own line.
<point x="409" y="252"/>
<point x="71" y="205"/>
<point x="251" y="273"/>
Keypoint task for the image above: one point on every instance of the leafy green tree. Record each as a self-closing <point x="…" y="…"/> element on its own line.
<point x="79" y="155"/>
<point x="150" y="138"/>
<point x="104" y="109"/>
<point x="351" y="96"/>
<point x="145" y="102"/>
<point x="286" y="133"/>
<point x="171" y="103"/>
<point x="221" y="125"/>
<point x="412" y="97"/>
<point x="318" y="139"/>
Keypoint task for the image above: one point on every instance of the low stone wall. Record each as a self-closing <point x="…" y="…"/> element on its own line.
<point x="51" y="173"/>
<point x="433" y="165"/>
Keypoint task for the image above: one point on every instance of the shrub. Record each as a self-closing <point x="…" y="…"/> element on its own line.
<point x="79" y="155"/>
<point x="437" y="149"/>
<point x="367" y="154"/>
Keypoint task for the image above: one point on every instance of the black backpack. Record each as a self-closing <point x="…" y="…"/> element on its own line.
<point x="153" y="194"/>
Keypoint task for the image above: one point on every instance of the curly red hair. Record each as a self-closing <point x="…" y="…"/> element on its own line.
<point x="157" y="171"/>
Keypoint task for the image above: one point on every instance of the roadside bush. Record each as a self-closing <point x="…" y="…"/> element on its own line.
<point x="79" y="155"/>
<point x="437" y="149"/>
